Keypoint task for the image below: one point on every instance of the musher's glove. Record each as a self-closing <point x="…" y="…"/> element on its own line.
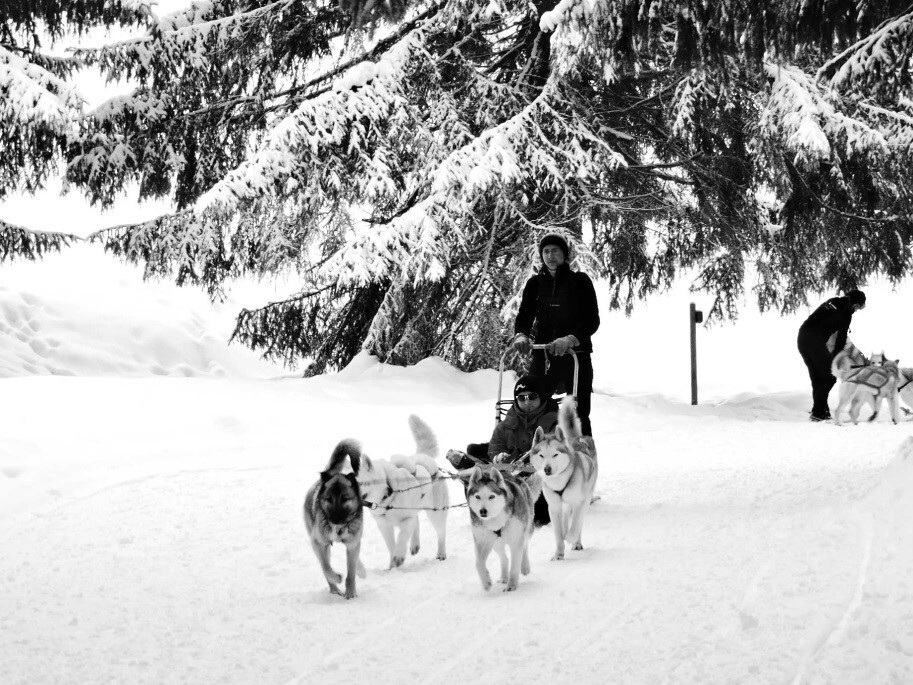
<point x="521" y="344"/>
<point x="560" y="346"/>
<point x="502" y="458"/>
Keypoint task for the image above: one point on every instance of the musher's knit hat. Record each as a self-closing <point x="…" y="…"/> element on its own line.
<point x="555" y="239"/>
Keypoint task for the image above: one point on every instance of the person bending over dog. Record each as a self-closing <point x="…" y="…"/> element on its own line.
<point x="562" y="305"/>
<point x="512" y="438"/>
<point x="832" y="317"/>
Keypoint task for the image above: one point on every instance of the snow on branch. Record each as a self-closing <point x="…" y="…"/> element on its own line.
<point x="303" y="140"/>
<point x="18" y="242"/>
<point x="188" y="36"/>
<point x="32" y="95"/>
<point x="803" y="116"/>
<point x="880" y="60"/>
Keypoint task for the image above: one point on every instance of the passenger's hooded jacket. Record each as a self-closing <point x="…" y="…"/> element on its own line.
<point x="514" y="434"/>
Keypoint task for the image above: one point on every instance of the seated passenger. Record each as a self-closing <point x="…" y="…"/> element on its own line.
<point x="512" y="438"/>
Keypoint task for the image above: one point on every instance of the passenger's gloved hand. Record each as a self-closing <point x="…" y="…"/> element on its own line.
<point x="521" y="344"/>
<point x="502" y="458"/>
<point x="560" y="346"/>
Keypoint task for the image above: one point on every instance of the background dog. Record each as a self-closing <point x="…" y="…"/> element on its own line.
<point x="870" y="385"/>
<point x="566" y="462"/>
<point x="332" y="513"/>
<point x="501" y="513"/>
<point x="398" y="489"/>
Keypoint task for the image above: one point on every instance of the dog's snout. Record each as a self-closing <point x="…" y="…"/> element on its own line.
<point x="483" y="512"/>
<point x="548" y="470"/>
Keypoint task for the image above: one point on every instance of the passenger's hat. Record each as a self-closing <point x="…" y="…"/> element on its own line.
<point x="555" y="239"/>
<point x="537" y="384"/>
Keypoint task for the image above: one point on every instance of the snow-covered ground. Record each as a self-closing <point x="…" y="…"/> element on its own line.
<point x="151" y="482"/>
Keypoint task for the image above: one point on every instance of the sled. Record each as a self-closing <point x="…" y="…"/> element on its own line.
<point x="502" y="405"/>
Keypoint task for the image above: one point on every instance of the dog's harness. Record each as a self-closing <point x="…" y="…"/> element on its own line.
<point x="874" y="377"/>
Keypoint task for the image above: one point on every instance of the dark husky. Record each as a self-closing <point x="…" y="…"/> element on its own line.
<point x="332" y="513"/>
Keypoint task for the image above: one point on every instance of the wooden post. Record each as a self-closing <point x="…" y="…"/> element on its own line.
<point x="694" y="317"/>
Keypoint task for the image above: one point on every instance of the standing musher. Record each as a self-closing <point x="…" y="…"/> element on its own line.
<point x="834" y="316"/>
<point x="562" y="305"/>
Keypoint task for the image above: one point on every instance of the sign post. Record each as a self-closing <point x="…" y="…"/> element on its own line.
<point x="694" y="317"/>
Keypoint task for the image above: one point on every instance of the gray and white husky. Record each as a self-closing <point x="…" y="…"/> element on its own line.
<point x="501" y="513"/>
<point x="397" y="489"/>
<point x="566" y="462"/>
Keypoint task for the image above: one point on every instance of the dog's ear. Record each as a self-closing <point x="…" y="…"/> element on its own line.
<point x="366" y="462"/>
<point x="353" y="479"/>
<point x="496" y="475"/>
<point x="325" y="476"/>
<point x="559" y="433"/>
<point x="538" y="435"/>
<point x="475" y="475"/>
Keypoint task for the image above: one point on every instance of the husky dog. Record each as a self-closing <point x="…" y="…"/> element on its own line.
<point x="566" y="462"/>
<point x="847" y="360"/>
<point x="332" y="513"/>
<point x="501" y="512"/>
<point x="396" y="490"/>
<point x="871" y="385"/>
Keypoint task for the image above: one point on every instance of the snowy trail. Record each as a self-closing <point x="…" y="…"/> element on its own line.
<point x="730" y="544"/>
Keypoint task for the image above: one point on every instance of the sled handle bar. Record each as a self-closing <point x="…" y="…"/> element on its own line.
<point x="533" y="348"/>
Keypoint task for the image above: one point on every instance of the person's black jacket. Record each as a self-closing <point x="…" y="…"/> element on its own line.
<point x="561" y="305"/>
<point x="834" y="316"/>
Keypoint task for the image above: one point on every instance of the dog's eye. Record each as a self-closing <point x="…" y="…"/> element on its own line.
<point x="491" y="497"/>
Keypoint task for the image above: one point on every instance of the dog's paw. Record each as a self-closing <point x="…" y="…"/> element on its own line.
<point x="510" y="587"/>
<point x="442" y="556"/>
<point x="334" y="590"/>
<point x="578" y="546"/>
<point x="396" y="562"/>
<point x="559" y="556"/>
<point x="486" y="582"/>
<point x="351" y="594"/>
<point x="414" y="550"/>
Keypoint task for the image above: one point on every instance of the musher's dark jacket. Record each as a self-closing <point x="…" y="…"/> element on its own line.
<point x="834" y="316"/>
<point x="563" y="305"/>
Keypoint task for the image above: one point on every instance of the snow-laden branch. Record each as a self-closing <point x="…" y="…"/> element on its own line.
<point x="880" y="57"/>
<point x="801" y="115"/>
<point x="367" y="94"/>
<point x="34" y="96"/>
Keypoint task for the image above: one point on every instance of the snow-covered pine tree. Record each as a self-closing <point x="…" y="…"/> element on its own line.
<point x="406" y="168"/>
<point x="39" y="109"/>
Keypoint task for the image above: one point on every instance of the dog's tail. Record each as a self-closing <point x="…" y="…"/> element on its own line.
<point x="346" y="448"/>
<point x="425" y="441"/>
<point x="568" y="420"/>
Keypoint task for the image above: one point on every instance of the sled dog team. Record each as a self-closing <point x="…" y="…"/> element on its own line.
<point x="500" y="504"/>
<point x="870" y="381"/>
